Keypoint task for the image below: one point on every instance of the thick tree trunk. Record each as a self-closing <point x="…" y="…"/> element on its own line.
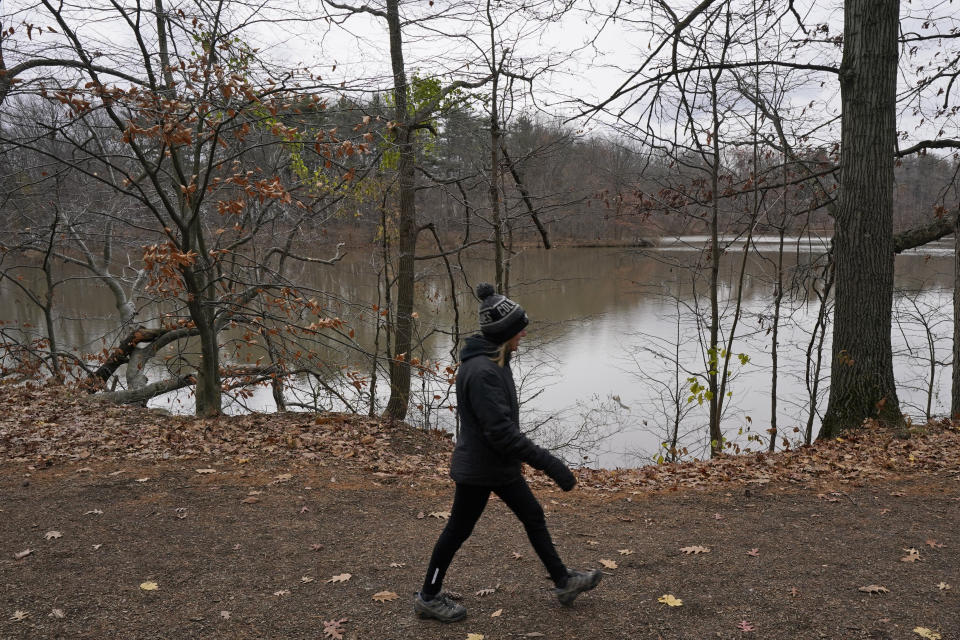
<point x="955" y="386"/>
<point x="862" y="382"/>
<point x="407" y="241"/>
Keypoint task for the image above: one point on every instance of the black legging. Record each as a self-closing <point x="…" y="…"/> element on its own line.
<point x="468" y="504"/>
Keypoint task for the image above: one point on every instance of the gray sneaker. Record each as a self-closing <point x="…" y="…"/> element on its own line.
<point x="442" y="608"/>
<point x="577" y="583"/>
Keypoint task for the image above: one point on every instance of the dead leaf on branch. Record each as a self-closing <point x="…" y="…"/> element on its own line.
<point x="343" y="577"/>
<point x="385" y="596"/>
<point x="334" y="628"/>
<point x="608" y="564"/>
<point x="695" y="550"/>
<point x="874" y="588"/>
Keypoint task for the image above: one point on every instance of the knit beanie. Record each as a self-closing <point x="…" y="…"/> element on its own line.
<point x="500" y="317"/>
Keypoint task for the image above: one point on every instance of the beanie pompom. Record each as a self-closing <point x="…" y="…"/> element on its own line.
<point x="485" y="290"/>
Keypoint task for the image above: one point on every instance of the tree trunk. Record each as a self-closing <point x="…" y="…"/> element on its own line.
<point x="209" y="401"/>
<point x="862" y="383"/>
<point x="955" y="386"/>
<point x="407" y="241"/>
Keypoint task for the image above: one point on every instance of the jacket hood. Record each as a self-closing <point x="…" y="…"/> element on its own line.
<point x="478" y="345"/>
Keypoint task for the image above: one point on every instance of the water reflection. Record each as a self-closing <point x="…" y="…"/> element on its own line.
<point x="599" y="317"/>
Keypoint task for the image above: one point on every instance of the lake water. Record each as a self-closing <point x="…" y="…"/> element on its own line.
<point x="597" y="367"/>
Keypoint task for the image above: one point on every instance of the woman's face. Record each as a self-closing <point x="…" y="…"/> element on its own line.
<point x="514" y="342"/>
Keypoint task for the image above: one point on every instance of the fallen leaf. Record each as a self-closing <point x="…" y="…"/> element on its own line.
<point x="97" y="546"/>
<point x="334" y="628"/>
<point x="421" y="515"/>
<point x="282" y="592"/>
<point x="695" y="550"/>
<point x="943" y="586"/>
<point x="516" y="556"/>
<point x="934" y="544"/>
<point x="306" y="579"/>
<point x="898" y="494"/>
<point x="743" y="625"/>
<point x="625" y="552"/>
<point x="533" y="634"/>
<point x="717" y="516"/>
<point x="592" y="543"/>
<point x="442" y="515"/>
<point x="397" y="565"/>
<point x="316" y="547"/>
<point x="52" y="535"/>
<point x="93" y="512"/>
<point x="474" y="636"/>
<point x="608" y="564"/>
<point x="225" y="615"/>
<point x="22" y="554"/>
<point x="497" y="613"/>
<point x="385" y="596"/>
<point x="143" y="479"/>
<point x="754" y="552"/>
<point x="304" y="509"/>
<point x="250" y="500"/>
<point x="343" y="577"/>
<point x="283" y="477"/>
<point x="794" y="592"/>
<point x="19" y="615"/>
<point x="57" y="613"/>
<point x="206" y="470"/>
<point x="929" y="634"/>
<point x="874" y="588"/>
<point x="486" y="592"/>
<point x="669" y="600"/>
<point x="149" y="586"/>
<point x="912" y="555"/>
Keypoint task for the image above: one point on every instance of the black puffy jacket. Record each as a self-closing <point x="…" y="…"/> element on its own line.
<point x="491" y="447"/>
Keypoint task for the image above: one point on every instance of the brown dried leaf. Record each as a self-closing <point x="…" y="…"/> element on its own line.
<point x="52" y="535"/>
<point x="334" y="628"/>
<point x="874" y="588"/>
<point x="608" y="564"/>
<point x="695" y="550"/>
<point x="343" y="577"/>
<point x="385" y="596"/>
<point x="22" y="554"/>
<point x="486" y="592"/>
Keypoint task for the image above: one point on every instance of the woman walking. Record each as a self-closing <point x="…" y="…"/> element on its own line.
<point x="488" y="458"/>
